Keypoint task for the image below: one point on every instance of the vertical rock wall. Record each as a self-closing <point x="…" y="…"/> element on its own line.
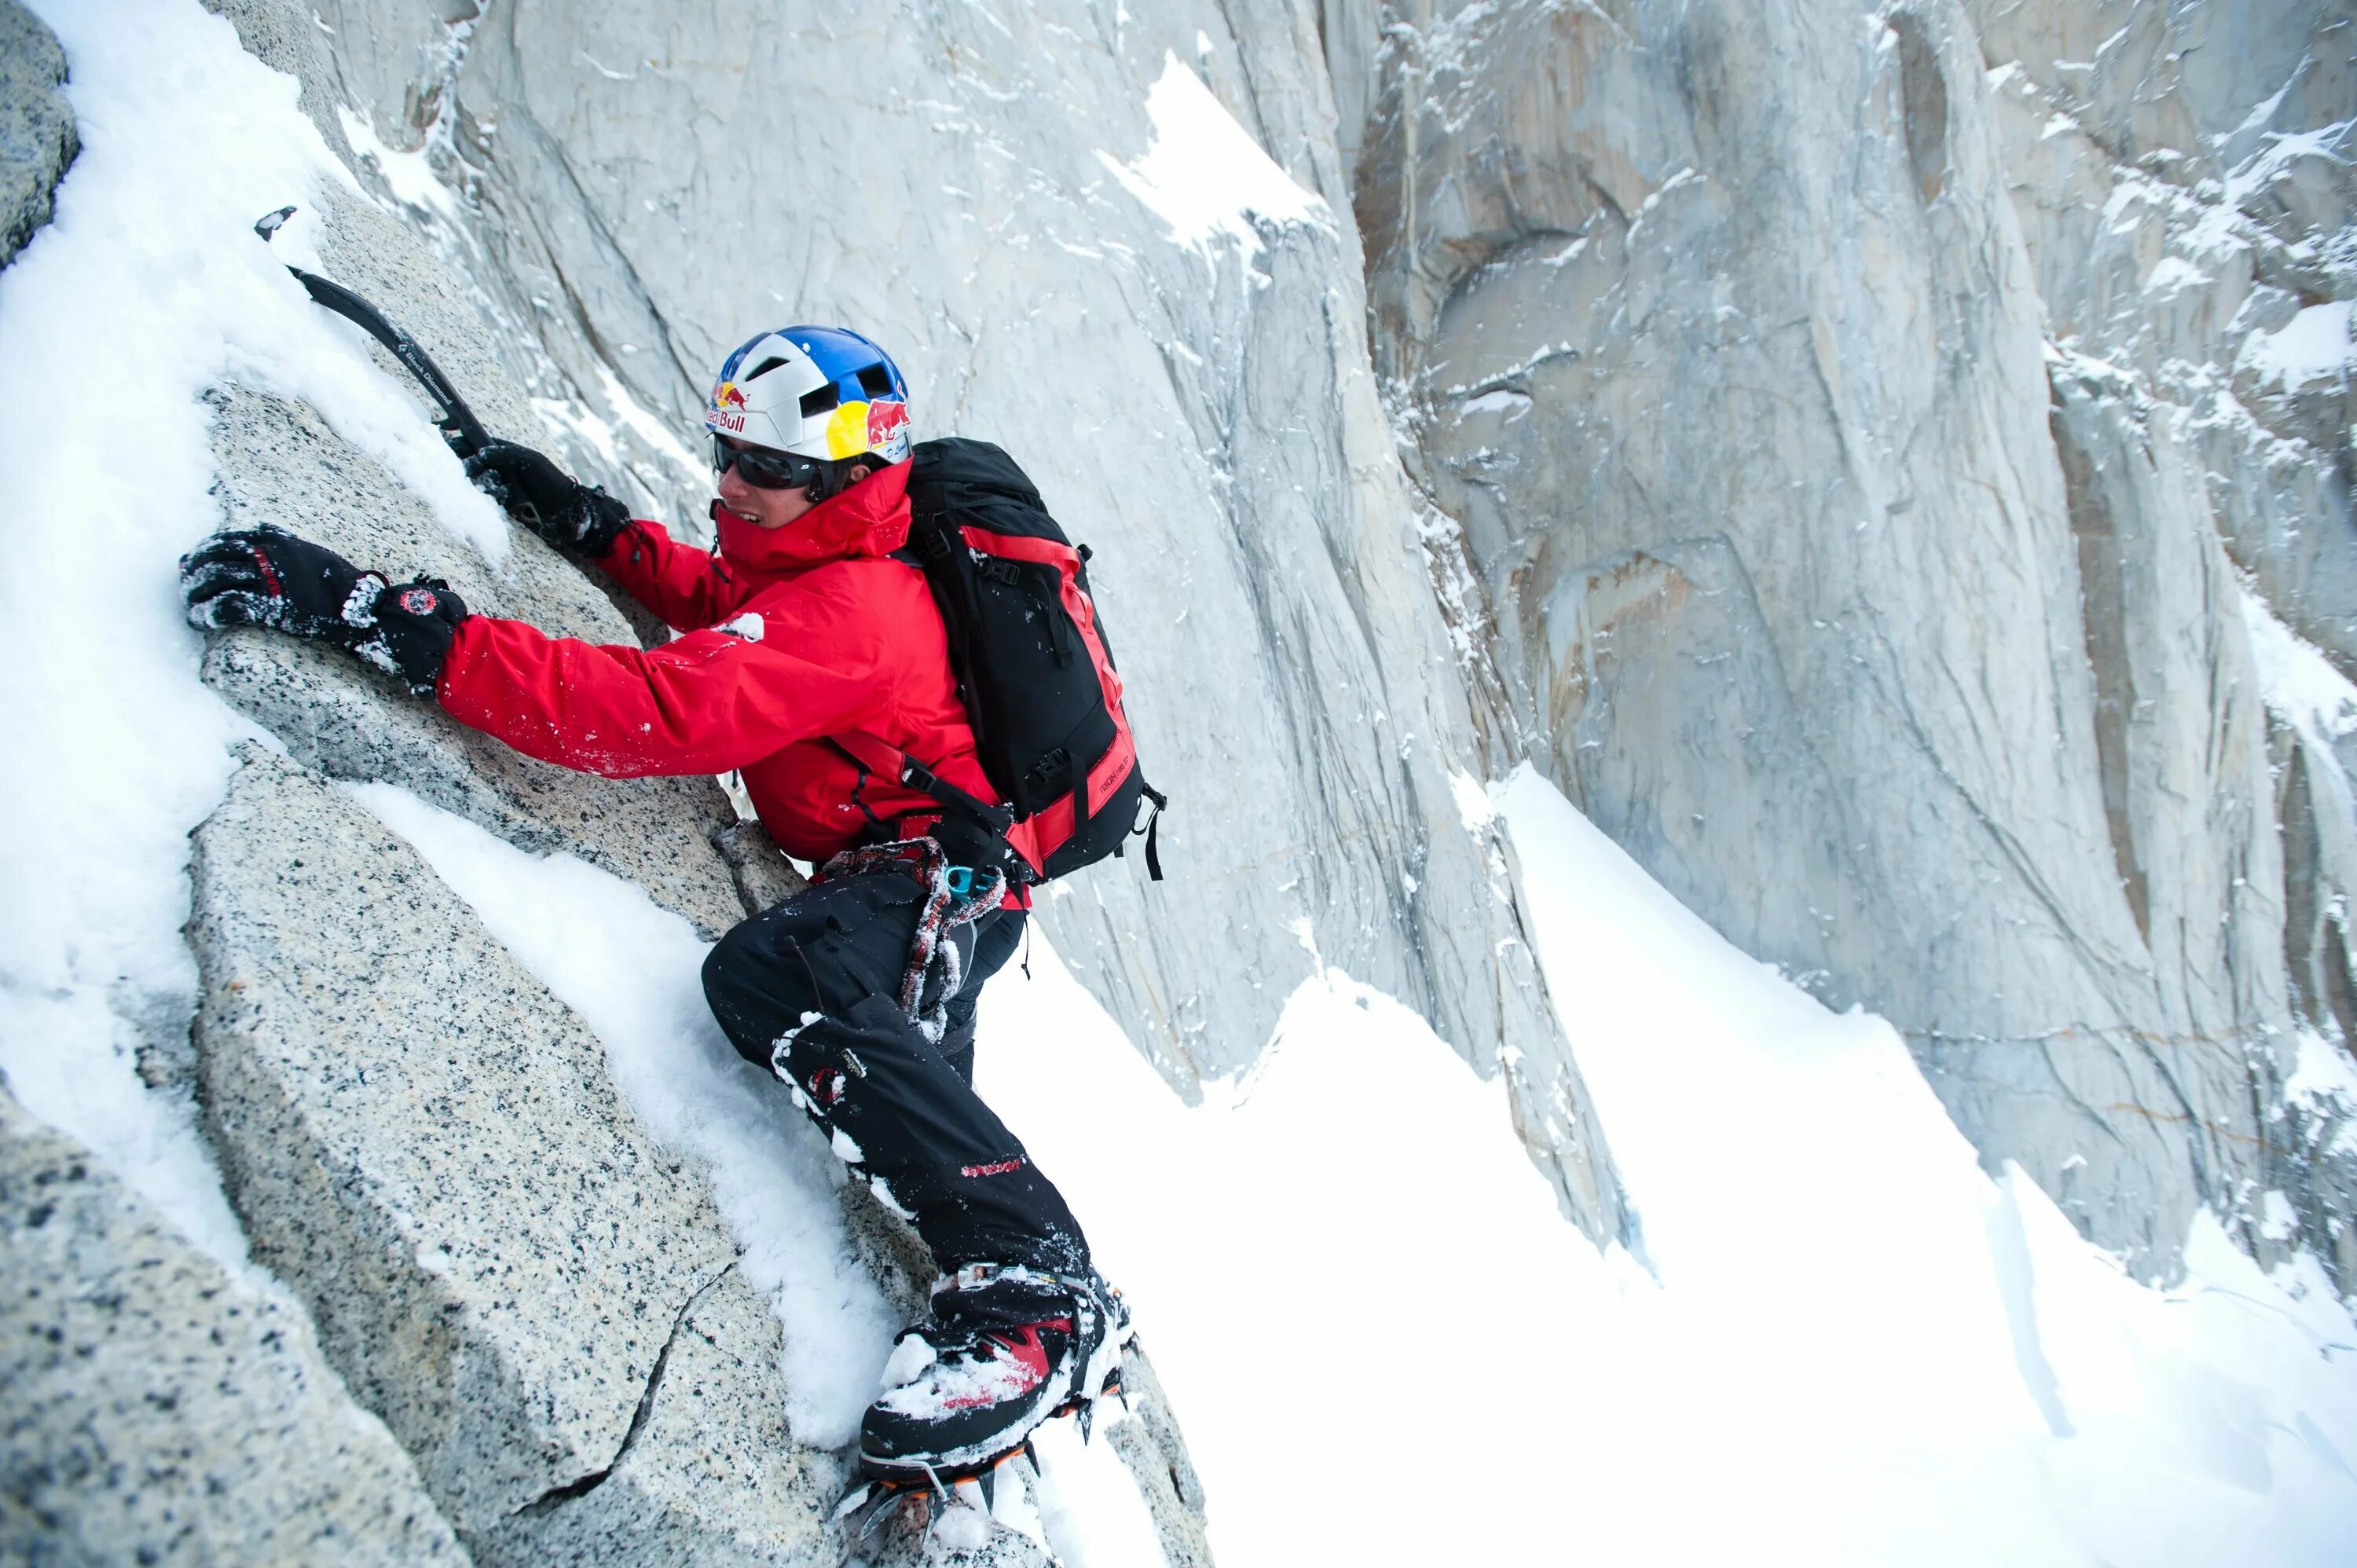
<point x="1728" y="334"/>
<point x="2183" y="180"/>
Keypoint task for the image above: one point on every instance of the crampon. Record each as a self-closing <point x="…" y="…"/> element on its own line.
<point x="921" y="1493"/>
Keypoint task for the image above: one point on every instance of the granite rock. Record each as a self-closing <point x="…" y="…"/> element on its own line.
<point x="1146" y="1436"/>
<point x="708" y="1471"/>
<point x="162" y="1410"/>
<point x="425" y="1147"/>
<point x="763" y="873"/>
<point x="37" y="140"/>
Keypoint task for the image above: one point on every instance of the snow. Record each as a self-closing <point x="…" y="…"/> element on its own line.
<point x="1475" y="810"/>
<point x="2322" y="1070"/>
<point x="1512" y="404"/>
<point x="2311" y="347"/>
<point x="1204" y="176"/>
<point x="408" y="176"/>
<point x="1854" y="1345"/>
<point x="2300" y="687"/>
<point x="112" y="326"/>
<point x="2323" y="1083"/>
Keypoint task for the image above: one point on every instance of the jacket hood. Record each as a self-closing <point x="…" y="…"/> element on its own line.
<point x="870" y="519"/>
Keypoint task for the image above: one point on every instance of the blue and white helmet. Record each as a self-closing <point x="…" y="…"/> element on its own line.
<point x="817" y="392"/>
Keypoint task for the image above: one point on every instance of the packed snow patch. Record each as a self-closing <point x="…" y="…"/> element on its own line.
<point x="1856" y="1347"/>
<point x="2301" y="688"/>
<point x="2313" y="346"/>
<point x="1203" y="174"/>
<point x="2296" y="678"/>
<point x="1474" y="807"/>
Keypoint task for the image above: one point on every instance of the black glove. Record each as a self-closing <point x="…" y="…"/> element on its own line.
<point x="547" y="499"/>
<point x="267" y="576"/>
<point x="415" y="623"/>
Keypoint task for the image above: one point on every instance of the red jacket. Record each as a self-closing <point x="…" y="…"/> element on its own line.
<point x="791" y="635"/>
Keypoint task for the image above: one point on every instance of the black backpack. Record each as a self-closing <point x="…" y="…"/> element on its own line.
<point x="1032" y="666"/>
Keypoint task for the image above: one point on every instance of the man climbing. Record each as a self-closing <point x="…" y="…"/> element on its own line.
<point x="812" y="659"/>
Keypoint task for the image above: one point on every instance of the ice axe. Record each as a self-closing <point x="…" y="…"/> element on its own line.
<point x="458" y="425"/>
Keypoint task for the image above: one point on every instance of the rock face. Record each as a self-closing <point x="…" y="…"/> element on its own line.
<point x="1719" y="330"/>
<point x="2181" y="179"/>
<point x="707" y="1473"/>
<point x="160" y="1412"/>
<point x="36" y="125"/>
<point x="494" y="1252"/>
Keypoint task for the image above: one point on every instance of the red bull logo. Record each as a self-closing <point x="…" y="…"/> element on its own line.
<point x="888" y="429"/>
<point x="727" y="411"/>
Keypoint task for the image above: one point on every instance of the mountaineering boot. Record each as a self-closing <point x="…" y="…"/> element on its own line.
<point x="1007" y="1349"/>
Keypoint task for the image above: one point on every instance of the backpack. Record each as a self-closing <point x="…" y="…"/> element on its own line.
<point x="1032" y="665"/>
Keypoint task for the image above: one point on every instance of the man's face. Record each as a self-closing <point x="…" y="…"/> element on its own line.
<point x="769" y="509"/>
<point x="763" y="509"/>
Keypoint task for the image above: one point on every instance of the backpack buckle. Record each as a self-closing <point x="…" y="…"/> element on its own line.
<point x="960" y="879"/>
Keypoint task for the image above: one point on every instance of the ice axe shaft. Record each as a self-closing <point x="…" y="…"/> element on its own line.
<point x="458" y="425"/>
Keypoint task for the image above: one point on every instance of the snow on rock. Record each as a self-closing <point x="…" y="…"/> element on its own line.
<point x="2311" y="347"/>
<point x="161" y="1410"/>
<point x="1204" y="176"/>
<point x="631" y="972"/>
<point x="115" y="752"/>
<point x="277" y="463"/>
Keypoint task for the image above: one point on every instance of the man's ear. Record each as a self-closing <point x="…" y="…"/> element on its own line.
<point x="859" y="471"/>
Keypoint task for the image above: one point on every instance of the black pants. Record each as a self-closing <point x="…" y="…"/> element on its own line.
<point x="809" y="990"/>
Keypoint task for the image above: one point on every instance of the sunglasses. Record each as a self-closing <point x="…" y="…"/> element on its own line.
<point x="763" y="469"/>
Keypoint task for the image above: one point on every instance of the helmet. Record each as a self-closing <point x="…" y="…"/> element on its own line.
<point x="824" y="392"/>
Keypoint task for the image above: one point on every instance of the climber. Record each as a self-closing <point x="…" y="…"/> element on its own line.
<point x="802" y="634"/>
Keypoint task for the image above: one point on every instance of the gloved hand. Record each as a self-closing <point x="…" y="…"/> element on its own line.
<point x="415" y="623"/>
<point x="547" y="499"/>
<point x="267" y="576"/>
